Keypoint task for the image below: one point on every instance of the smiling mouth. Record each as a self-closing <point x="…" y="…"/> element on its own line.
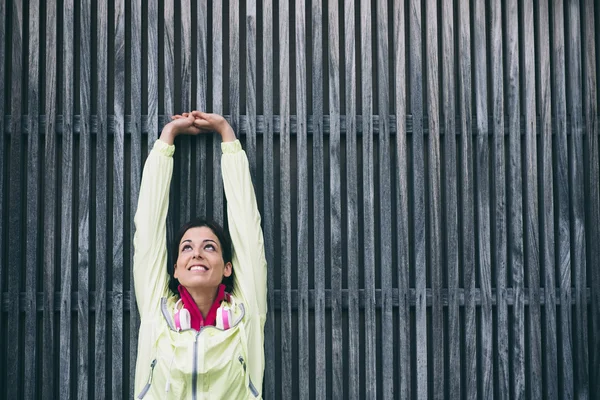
<point x="198" y="268"/>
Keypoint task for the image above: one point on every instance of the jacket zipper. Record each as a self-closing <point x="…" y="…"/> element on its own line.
<point x="250" y="384"/>
<point x="195" y="364"/>
<point x="149" y="383"/>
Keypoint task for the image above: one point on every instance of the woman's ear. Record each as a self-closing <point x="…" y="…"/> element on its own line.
<point x="175" y="271"/>
<point x="228" y="269"/>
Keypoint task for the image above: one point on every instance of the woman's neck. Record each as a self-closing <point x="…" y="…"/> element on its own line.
<point x="204" y="298"/>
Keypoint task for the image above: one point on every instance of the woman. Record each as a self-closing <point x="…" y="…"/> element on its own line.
<point x="201" y="332"/>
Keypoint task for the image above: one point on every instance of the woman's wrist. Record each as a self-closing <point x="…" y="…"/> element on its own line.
<point x="227" y="134"/>
<point x="168" y="134"/>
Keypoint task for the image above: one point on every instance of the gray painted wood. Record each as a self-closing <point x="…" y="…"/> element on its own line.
<point x="251" y="86"/>
<point x="562" y="198"/>
<point x="32" y="241"/>
<point x="67" y="201"/>
<point x="352" y="199"/>
<point x="217" y="107"/>
<point x="152" y="79"/>
<point x="433" y="189"/>
<point x="201" y="98"/>
<point x="3" y="150"/>
<point x="15" y="250"/>
<point x="285" y="218"/>
<point x="118" y="205"/>
<point x="335" y="204"/>
<point x="576" y="178"/>
<point x="499" y="201"/>
<point x="50" y="188"/>
<point x="451" y="202"/>
<point x="590" y="104"/>
<point x="482" y="197"/>
<point x="320" y="353"/>
<point x="135" y="171"/>
<point x="385" y="200"/>
<point x="268" y="197"/>
<point x="547" y="234"/>
<point x="467" y="198"/>
<point x="84" y="179"/>
<point x="302" y="210"/>
<point x="515" y="201"/>
<point x="233" y="49"/>
<point x="102" y="214"/>
<point x="531" y="215"/>
<point x="368" y="188"/>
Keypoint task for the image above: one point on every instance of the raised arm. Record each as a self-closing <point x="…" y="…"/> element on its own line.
<point x="150" y="241"/>
<point x="243" y="217"/>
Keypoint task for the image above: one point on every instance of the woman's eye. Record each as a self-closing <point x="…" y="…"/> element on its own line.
<point x="186" y="247"/>
<point x="209" y="247"/>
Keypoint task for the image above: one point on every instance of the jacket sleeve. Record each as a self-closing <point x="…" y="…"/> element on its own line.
<point x="149" y="242"/>
<point x="244" y="227"/>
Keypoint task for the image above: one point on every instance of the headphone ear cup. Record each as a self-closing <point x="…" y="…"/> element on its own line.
<point x="185" y="319"/>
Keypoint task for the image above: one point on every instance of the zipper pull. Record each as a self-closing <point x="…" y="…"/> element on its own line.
<point x="147" y="387"/>
<point x="241" y="359"/>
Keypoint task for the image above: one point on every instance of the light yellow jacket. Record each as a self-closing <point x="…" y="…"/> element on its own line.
<point x="211" y="363"/>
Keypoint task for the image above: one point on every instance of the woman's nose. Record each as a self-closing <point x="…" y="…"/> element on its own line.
<point x="198" y="253"/>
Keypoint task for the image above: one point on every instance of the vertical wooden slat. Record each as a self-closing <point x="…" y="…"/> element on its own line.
<point x="466" y="195"/>
<point x="135" y="175"/>
<point x="169" y="57"/>
<point x="451" y="201"/>
<point x="33" y="206"/>
<point x="3" y="152"/>
<point x="318" y="201"/>
<point x="547" y="237"/>
<point x="48" y="371"/>
<point x="66" y="200"/>
<point x="184" y="150"/>
<point x="285" y="234"/>
<point x="118" y="201"/>
<point x="352" y="199"/>
<point x="434" y="190"/>
<point x="335" y="204"/>
<point x="83" y="214"/>
<point x="217" y="107"/>
<point x="102" y="265"/>
<point x="482" y="198"/>
<point x="418" y="196"/>
<point x="515" y="228"/>
<point x="268" y="197"/>
<point x="531" y="215"/>
<point x="499" y="199"/>
<point x="15" y="198"/>
<point x="251" y="89"/>
<point x="576" y="177"/>
<point x="401" y="201"/>
<point x="201" y="78"/>
<point x="562" y="181"/>
<point x="152" y="31"/>
<point x="302" y="207"/>
<point x="593" y="196"/>
<point x="385" y="199"/>
<point x="234" y="63"/>
<point x="368" y="202"/>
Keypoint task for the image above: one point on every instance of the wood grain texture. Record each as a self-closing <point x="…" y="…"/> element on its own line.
<point x="515" y="200"/>
<point x="562" y="197"/>
<point x="84" y="179"/>
<point x="335" y="203"/>
<point x="302" y="210"/>
<point x="285" y="219"/>
<point x="451" y="202"/>
<point x="320" y="353"/>
<point x="385" y="200"/>
<point x="152" y="78"/>
<point x="201" y="79"/>
<point x="467" y="197"/>
<point x="3" y="157"/>
<point x="433" y="179"/>
<point x="101" y="211"/>
<point x="234" y="63"/>
<point x="268" y="196"/>
<point x="590" y="107"/>
<point x="217" y="107"/>
<point x="576" y="178"/>
<point x="531" y="216"/>
<point x="135" y="171"/>
<point x="32" y="194"/>
<point x="368" y="189"/>
<point x="15" y="250"/>
<point x="67" y="200"/>
<point x="499" y="202"/>
<point x="251" y="85"/>
<point x="50" y="188"/>
<point x="352" y="200"/>
<point x="482" y="199"/>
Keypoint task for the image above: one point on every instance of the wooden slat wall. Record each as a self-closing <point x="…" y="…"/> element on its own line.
<point x="428" y="175"/>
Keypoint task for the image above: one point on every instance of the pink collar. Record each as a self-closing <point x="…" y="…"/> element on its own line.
<point x="196" y="319"/>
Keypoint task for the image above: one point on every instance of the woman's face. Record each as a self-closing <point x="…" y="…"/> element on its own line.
<point x="200" y="261"/>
